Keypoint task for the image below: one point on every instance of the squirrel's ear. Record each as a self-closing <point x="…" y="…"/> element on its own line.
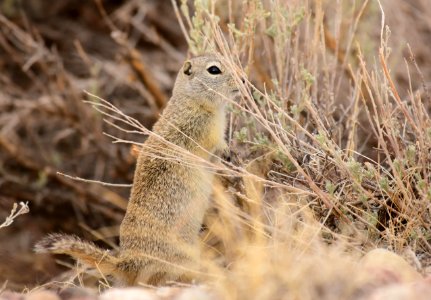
<point x="187" y="68"/>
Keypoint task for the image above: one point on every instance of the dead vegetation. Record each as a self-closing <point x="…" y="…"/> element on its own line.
<point x="331" y="142"/>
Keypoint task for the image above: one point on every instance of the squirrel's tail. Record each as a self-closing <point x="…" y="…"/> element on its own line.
<point x="87" y="252"/>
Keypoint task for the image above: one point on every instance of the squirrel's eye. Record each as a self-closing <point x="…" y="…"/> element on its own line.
<point x="214" y="70"/>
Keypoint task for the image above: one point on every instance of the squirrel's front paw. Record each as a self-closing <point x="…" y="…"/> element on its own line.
<point x="223" y="148"/>
<point x="221" y="152"/>
<point x="227" y="154"/>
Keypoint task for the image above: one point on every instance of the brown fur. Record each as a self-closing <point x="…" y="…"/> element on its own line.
<point x="159" y="233"/>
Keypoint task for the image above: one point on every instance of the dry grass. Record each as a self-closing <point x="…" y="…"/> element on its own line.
<point x="342" y="160"/>
<point x="330" y="143"/>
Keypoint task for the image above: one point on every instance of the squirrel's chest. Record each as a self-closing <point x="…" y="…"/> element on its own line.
<point x="190" y="216"/>
<point x="215" y="137"/>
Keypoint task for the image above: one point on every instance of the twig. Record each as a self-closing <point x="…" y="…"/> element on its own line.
<point x="14" y="213"/>
<point x="94" y="181"/>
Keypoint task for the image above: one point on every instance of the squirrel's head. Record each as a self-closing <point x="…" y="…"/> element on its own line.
<point x="205" y="78"/>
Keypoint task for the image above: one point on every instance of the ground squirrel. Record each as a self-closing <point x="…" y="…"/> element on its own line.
<point x="159" y="233"/>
